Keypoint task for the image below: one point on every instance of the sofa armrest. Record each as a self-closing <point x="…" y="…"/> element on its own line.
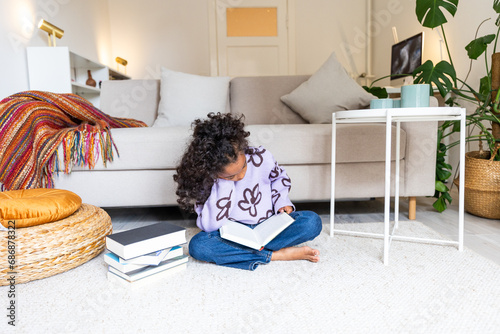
<point x="420" y="166"/>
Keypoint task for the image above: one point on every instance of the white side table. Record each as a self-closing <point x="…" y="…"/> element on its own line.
<point x="398" y="115"/>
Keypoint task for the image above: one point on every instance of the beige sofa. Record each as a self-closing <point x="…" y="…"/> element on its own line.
<point x="142" y="175"/>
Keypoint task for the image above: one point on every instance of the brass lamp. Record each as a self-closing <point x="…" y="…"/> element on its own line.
<point x="121" y="61"/>
<point x="52" y="30"/>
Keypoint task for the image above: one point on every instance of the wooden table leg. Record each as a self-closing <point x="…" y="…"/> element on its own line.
<point x="412" y="208"/>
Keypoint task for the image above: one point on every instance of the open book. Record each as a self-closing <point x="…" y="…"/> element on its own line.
<point x="258" y="237"/>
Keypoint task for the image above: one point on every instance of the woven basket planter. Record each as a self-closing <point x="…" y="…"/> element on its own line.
<point x="482" y="185"/>
<point x="52" y="248"/>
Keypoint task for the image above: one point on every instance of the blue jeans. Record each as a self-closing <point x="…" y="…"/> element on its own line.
<point x="210" y="247"/>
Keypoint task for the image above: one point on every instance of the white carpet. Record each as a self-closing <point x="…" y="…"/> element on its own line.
<point x="425" y="289"/>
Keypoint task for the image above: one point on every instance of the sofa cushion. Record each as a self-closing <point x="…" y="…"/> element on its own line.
<point x="144" y="148"/>
<point x="258" y="99"/>
<point x="328" y="90"/>
<point x="186" y="97"/>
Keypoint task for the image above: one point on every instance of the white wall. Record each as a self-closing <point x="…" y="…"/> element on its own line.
<point x="326" y="26"/>
<point x="86" y="31"/>
<point x="175" y="34"/>
<point x="153" y="33"/>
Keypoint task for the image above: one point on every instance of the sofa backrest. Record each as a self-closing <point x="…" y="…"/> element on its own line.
<point x="258" y="98"/>
<point x="136" y="99"/>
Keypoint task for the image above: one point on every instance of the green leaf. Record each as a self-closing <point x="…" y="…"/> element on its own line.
<point x="447" y="197"/>
<point x="442" y="174"/>
<point x="439" y="204"/>
<point x="438" y="75"/>
<point x="478" y="46"/>
<point x="379" y="92"/>
<point x="441" y="187"/>
<point x="496" y="6"/>
<point x="484" y="85"/>
<point x="430" y="14"/>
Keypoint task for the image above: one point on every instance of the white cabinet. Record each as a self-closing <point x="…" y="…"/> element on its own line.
<point x="58" y="70"/>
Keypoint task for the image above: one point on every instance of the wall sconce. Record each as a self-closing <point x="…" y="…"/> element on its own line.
<point x="121" y="61"/>
<point x="52" y="30"/>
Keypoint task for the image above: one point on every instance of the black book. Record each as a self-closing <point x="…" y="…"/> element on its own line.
<point x="144" y="240"/>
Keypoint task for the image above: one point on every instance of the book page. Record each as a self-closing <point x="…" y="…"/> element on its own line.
<point x="259" y="236"/>
<point x="271" y="227"/>
<point x="239" y="231"/>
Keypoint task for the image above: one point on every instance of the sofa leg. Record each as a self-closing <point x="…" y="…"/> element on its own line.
<point x="412" y="208"/>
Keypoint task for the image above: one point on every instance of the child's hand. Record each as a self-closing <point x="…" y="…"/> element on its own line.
<point x="287" y="209"/>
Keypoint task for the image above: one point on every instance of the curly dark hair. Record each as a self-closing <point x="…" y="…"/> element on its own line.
<point x="216" y="142"/>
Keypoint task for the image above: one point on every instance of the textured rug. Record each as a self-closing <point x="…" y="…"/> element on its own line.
<point x="425" y="289"/>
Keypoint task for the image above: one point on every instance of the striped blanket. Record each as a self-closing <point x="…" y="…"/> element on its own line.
<point x="32" y="126"/>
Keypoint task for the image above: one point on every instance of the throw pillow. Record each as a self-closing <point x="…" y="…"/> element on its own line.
<point x="328" y="90"/>
<point x="30" y="207"/>
<point x="186" y="97"/>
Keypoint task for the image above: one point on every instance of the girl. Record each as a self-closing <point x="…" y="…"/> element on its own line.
<point x="224" y="179"/>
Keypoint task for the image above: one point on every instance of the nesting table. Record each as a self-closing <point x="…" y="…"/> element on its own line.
<point x="390" y="116"/>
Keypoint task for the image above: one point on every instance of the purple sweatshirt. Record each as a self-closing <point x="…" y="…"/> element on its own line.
<point x="260" y="194"/>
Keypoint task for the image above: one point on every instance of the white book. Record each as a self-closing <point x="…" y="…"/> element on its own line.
<point x="150" y="270"/>
<point x="147" y="280"/>
<point x="126" y="267"/>
<point x="154" y="258"/>
<point x="112" y="260"/>
<point x="259" y="236"/>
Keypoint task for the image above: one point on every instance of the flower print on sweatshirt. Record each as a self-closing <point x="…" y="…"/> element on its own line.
<point x="260" y="194"/>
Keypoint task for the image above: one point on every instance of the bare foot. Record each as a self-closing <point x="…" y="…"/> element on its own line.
<point x="296" y="253"/>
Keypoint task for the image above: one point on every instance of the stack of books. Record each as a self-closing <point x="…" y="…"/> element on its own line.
<point x="146" y="253"/>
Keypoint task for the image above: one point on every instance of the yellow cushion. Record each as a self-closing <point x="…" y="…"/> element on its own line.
<point x="30" y="207"/>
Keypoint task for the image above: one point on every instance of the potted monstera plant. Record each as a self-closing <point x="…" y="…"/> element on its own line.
<point x="482" y="175"/>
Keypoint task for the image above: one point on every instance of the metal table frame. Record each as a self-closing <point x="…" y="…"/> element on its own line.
<point x="389" y="116"/>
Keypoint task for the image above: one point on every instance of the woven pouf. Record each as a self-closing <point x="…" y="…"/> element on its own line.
<point x="48" y="249"/>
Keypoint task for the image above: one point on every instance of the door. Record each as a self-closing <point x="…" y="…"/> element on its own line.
<point x="251" y="38"/>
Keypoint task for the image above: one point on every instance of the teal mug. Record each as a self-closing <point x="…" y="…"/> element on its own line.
<point x="381" y="103"/>
<point x="415" y="96"/>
